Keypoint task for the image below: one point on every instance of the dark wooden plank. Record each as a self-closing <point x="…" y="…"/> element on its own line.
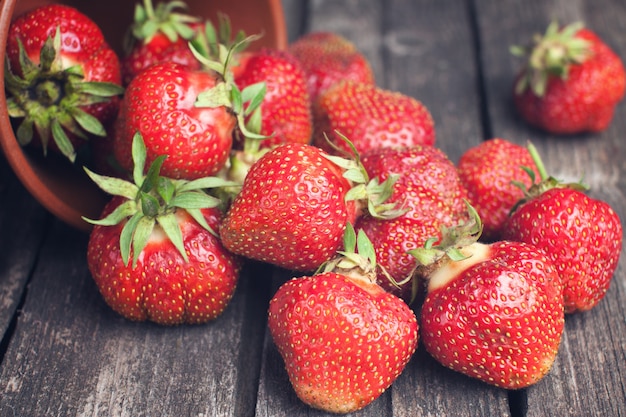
<point x="425" y="50"/>
<point x="429" y="54"/>
<point x="72" y="355"/>
<point x="23" y="224"/>
<point x="588" y="376"/>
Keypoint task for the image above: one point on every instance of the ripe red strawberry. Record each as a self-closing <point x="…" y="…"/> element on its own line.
<point x="571" y="83"/>
<point x="160" y="34"/>
<point x="492" y="173"/>
<point x="430" y="190"/>
<point x="294" y="205"/>
<point x="285" y="111"/>
<point x="581" y="235"/>
<point x="371" y="117"/>
<point x="343" y="339"/>
<point x="492" y="311"/>
<point x="328" y="58"/>
<point x="155" y="254"/>
<point x="161" y="104"/>
<point x="63" y="79"/>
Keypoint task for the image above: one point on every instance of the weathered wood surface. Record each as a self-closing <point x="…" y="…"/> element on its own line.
<point x="64" y="353"/>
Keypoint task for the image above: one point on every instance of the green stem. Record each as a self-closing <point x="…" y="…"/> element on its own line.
<point x="538" y="162"/>
<point x="149" y="9"/>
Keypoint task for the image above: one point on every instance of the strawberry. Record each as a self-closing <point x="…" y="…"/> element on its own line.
<point x="492" y="311"/>
<point x="160" y="34"/>
<point x="160" y="103"/>
<point x="62" y="81"/>
<point x="371" y="117"/>
<point x="581" y="235"/>
<point x="189" y="115"/>
<point x="492" y="172"/>
<point x="571" y="83"/>
<point x="430" y="191"/>
<point x="154" y="254"/>
<point x="343" y="339"/>
<point x="328" y="58"/>
<point x="285" y="111"/>
<point x="294" y="204"/>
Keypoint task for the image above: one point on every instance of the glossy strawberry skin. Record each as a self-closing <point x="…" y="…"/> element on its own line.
<point x="159" y="103"/>
<point x="500" y="320"/>
<point x="581" y="235"/>
<point x="585" y="101"/>
<point x="487" y="172"/>
<point x="82" y="44"/>
<point x="343" y="344"/>
<point x="159" y="49"/>
<point x="286" y="109"/>
<point x="290" y="211"/>
<point x="370" y="117"/>
<point x="430" y="188"/>
<point x="163" y="288"/>
<point x="328" y="58"/>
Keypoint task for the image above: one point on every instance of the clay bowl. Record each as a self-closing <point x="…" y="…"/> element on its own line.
<point x="62" y="188"/>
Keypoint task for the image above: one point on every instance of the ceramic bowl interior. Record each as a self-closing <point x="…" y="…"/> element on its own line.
<point x="62" y="188"/>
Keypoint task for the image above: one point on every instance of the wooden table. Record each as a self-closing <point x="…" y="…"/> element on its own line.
<point x="63" y="352"/>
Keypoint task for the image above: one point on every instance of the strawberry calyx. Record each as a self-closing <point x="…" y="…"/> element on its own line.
<point x="151" y="200"/>
<point x="221" y="34"/>
<point x="148" y="21"/>
<point x="544" y="183"/>
<point x="245" y="104"/>
<point x="50" y="99"/>
<point x="226" y="93"/>
<point x="357" y="260"/>
<point x="551" y="54"/>
<point x="455" y="246"/>
<point x="371" y="194"/>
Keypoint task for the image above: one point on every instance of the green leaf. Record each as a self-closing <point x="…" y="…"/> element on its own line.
<point x="88" y="122"/>
<point x="426" y="256"/>
<point x="255" y="122"/>
<point x="151" y="179"/>
<point x="24" y="133"/>
<point x="456" y="255"/>
<point x="28" y="67"/>
<point x="123" y="211"/>
<point x="206" y="182"/>
<point x="166" y="189"/>
<point x="138" y="150"/>
<point x="171" y="228"/>
<point x="100" y="89"/>
<point x="253" y="95"/>
<point x="113" y="185"/>
<point x="349" y="239"/>
<point x="365" y="247"/>
<point x="149" y="205"/>
<point x="215" y="97"/>
<point x="62" y="141"/>
<point x="199" y="217"/>
<point x="126" y="238"/>
<point x="194" y="200"/>
<point x="356" y="176"/>
<point x="356" y="193"/>
<point x="144" y="228"/>
<point x="340" y="162"/>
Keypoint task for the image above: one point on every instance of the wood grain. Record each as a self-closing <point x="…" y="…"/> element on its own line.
<point x="65" y="353"/>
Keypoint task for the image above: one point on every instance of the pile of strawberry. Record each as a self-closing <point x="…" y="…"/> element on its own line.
<point x="215" y="154"/>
